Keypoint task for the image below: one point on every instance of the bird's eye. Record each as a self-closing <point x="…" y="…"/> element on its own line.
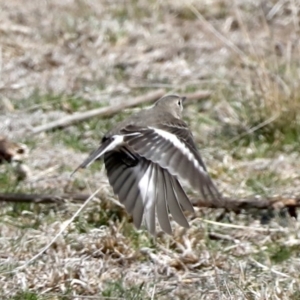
<point x="179" y="103"/>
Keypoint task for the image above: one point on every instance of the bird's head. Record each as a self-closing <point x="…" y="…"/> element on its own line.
<point x="172" y="104"/>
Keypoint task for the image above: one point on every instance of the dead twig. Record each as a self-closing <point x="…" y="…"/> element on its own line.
<point x="228" y="203"/>
<point x="223" y="237"/>
<point x="237" y="205"/>
<point x="198" y="95"/>
<point x="42" y="198"/>
<point x="111" y="110"/>
<point x="103" y="111"/>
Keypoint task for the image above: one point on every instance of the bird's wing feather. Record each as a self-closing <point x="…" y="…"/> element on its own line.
<point x="107" y="145"/>
<point x="162" y="207"/>
<point x="172" y="199"/>
<point x="124" y="181"/>
<point x="174" y="153"/>
<point x="146" y="187"/>
<point x="181" y="130"/>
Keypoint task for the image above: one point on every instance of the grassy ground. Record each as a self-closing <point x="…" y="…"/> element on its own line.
<point x="58" y="57"/>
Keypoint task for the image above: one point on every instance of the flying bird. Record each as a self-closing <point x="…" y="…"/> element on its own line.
<point x="146" y="157"/>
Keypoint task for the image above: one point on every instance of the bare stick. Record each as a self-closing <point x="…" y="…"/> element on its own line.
<point x="42" y="198"/>
<point x="198" y="95"/>
<point x="237" y="205"/>
<point x="229" y="204"/>
<point x="103" y="111"/>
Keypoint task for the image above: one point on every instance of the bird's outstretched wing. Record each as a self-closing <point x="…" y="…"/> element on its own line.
<point x="173" y="149"/>
<point x="107" y="144"/>
<point x="144" y="187"/>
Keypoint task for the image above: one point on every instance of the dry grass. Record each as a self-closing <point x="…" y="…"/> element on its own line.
<point x="59" y="57"/>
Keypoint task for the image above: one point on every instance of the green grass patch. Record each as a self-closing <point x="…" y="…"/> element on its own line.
<point x="8" y="181"/>
<point x="26" y="295"/>
<point x="276" y="253"/>
<point x="135" y="10"/>
<point x="99" y="216"/>
<point x="280" y="253"/>
<point x="29" y="215"/>
<point x="260" y="182"/>
<point x="52" y="102"/>
<point x="138" y="238"/>
<point x="116" y="289"/>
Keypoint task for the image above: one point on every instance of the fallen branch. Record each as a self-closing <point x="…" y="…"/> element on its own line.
<point x="237" y="205"/>
<point x="227" y="203"/>
<point x="103" y="112"/>
<point x="198" y="95"/>
<point x="42" y="198"/>
<point x="250" y="202"/>
<point x="111" y="110"/>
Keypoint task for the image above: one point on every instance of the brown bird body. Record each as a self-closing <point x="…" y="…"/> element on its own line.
<point x="146" y="156"/>
<point x="11" y="151"/>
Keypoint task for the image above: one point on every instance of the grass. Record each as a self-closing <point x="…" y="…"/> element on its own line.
<point x="247" y="132"/>
<point x="116" y="289"/>
<point x="262" y="182"/>
<point x="6" y="180"/>
<point x="26" y="295"/>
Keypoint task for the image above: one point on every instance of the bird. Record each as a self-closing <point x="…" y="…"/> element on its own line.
<point x="147" y="157"/>
<point x="11" y="151"/>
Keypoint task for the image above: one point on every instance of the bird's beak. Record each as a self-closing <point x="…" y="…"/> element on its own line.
<point x="183" y="99"/>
